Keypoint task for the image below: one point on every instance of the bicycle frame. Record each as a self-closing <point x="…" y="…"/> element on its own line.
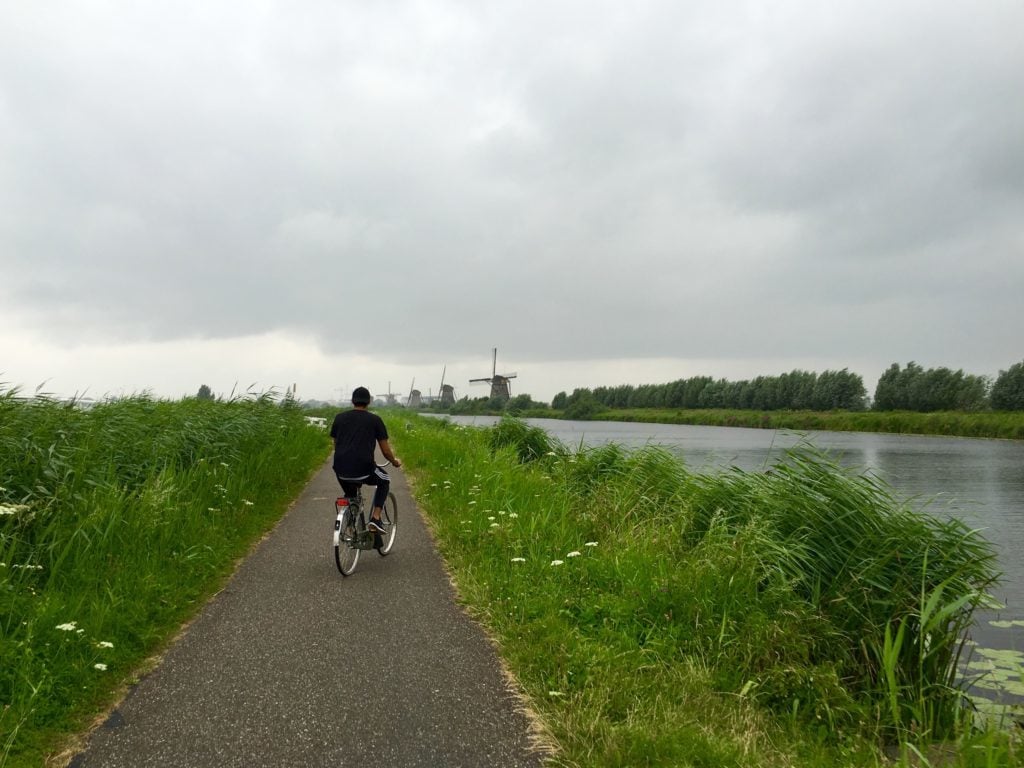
<point x="363" y="538"/>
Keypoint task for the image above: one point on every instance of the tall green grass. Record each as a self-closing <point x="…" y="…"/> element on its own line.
<point x="116" y="523"/>
<point x="798" y="617"/>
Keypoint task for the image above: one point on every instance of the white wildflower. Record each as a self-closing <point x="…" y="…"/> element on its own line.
<point x="12" y="509"/>
<point x="70" y="626"/>
<point x="100" y="667"/>
<point x="513" y="514"/>
<point x="518" y="559"/>
<point x="574" y="553"/>
<point x="495" y="525"/>
<point x="472" y="503"/>
<point x="490" y="517"/>
<point x="551" y="453"/>
<point x="105" y="644"/>
<point x="249" y="503"/>
<point x="555" y="693"/>
<point x="557" y="562"/>
<point x="590" y="544"/>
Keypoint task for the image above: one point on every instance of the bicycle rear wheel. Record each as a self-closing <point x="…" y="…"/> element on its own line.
<point x="345" y="553"/>
<point x="388" y="516"/>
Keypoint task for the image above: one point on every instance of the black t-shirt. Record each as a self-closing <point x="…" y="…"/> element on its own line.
<point x="355" y="434"/>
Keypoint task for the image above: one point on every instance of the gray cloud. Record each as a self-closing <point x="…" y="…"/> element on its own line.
<point x="574" y="180"/>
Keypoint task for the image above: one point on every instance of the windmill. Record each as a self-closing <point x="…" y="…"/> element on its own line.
<point x="391" y="399"/>
<point x="499" y="382"/>
<point x="447" y="392"/>
<point x="413" y="400"/>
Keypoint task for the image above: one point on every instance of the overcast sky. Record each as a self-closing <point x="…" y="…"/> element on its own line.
<point x="338" y="193"/>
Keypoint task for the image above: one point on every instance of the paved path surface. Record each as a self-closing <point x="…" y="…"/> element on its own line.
<point x="277" y="670"/>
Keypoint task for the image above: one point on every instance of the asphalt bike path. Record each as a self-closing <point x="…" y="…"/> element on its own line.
<point x="293" y="665"/>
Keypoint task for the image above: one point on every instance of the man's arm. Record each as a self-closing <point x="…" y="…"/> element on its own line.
<point x="385" y="448"/>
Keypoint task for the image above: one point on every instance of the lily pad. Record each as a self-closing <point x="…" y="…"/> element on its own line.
<point x="1002" y="656"/>
<point x="1006" y="624"/>
<point x="989" y="714"/>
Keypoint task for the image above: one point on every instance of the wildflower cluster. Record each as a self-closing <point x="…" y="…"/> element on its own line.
<point x="72" y="627"/>
<point x="556" y="562"/>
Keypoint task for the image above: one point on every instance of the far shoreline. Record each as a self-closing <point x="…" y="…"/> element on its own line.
<point x="1001" y="425"/>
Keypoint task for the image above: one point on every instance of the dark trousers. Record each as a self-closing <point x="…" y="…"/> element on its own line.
<point x="378" y="478"/>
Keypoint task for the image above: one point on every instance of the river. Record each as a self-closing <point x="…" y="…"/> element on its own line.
<point x="979" y="481"/>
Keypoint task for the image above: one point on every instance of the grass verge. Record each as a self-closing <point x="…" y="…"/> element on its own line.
<point x="800" y="617"/>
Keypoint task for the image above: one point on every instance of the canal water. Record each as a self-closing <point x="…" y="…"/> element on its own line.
<point x="979" y="481"/>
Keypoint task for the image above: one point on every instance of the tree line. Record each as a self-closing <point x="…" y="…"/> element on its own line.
<point x="909" y="388"/>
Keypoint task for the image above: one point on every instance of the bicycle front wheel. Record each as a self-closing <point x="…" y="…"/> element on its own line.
<point x="345" y="553"/>
<point x="389" y="517"/>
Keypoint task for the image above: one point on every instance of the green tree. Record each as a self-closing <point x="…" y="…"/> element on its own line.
<point x="899" y="389"/>
<point x="1008" y="389"/>
<point x="583" y="407"/>
<point x="838" y="390"/>
<point x="204" y="393"/>
<point x="518" y="404"/>
<point x="560" y="401"/>
<point x="712" y="395"/>
<point x="936" y="389"/>
<point x="887" y="391"/>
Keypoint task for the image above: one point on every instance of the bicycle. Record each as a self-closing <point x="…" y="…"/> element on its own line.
<point x="351" y="536"/>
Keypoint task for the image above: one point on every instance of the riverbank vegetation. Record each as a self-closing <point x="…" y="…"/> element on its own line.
<point x="908" y="400"/>
<point x="799" y="617"/>
<point x="116" y="523"/>
<point x="1007" y="425"/>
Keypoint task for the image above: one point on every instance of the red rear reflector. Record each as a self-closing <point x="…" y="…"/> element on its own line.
<point x="343" y="502"/>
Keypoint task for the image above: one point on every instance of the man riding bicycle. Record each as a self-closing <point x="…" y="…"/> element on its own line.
<point x="356" y="434"/>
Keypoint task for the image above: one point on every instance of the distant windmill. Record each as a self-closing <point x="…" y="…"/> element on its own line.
<point x="391" y="399"/>
<point x="413" y="400"/>
<point x="447" y="393"/>
<point x="499" y="382"/>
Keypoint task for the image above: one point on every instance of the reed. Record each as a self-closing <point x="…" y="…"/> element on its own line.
<point x="119" y="520"/>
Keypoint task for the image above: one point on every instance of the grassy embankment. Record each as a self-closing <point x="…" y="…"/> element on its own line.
<point x="800" y="617"/>
<point x="116" y="523"/>
<point x="1001" y="424"/>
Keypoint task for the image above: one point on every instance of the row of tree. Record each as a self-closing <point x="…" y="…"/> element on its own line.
<point x="912" y="388"/>
<point x="798" y="390"/>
